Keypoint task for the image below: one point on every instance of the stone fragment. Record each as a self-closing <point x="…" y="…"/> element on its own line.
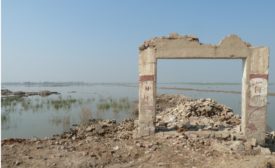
<point x="17" y="163"/>
<point x="99" y="130"/>
<point x="237" y="146"/>
<point x="89" y="128"/>
<point x="265" y="151"/>
<point x="225" y="135"/>
<point x="115" y="148"/>
<point x="253" y="142"/>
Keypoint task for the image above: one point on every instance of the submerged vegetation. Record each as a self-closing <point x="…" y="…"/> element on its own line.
<point x="61" y="111"/>
<point x="4" y="117"/>
<point x="64" y="120"/>
<point x="11" y="100"/>
<point x="63" y="103"/>
<point x="37" y="103"/>
<point x="115" y="105"/>
<point x="13" y="103"/>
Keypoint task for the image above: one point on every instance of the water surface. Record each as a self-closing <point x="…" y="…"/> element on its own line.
<point x="37" y="116"/>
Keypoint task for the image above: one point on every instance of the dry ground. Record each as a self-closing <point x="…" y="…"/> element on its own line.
<point x="102" y="143"/>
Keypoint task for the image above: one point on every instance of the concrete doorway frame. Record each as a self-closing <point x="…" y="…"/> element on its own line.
<point x="254" y="79"/>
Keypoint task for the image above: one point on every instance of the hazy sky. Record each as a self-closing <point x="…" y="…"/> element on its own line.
<point x="97" y="40"/>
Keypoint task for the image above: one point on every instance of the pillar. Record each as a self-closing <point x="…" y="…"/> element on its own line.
<point x="254" y="94"/>
<point x="147" y="92"/>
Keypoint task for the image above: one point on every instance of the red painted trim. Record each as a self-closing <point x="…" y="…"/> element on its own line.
<point x="264" y="76"/>
<point x="147" y="78"/>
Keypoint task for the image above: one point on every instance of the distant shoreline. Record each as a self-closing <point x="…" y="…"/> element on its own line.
<point x="116" y="83"/>
<point x="66" y="84"/>
<point x="207" y="90"/>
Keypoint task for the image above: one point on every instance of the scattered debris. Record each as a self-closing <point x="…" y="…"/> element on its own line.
<point x="175" y="111"/>
<point x="209" y="135"/>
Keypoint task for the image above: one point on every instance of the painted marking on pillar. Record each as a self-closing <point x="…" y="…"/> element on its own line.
<point x="252" y="127"/>
<point x="147" y="88"/>
<point x="146" y="78"/>
<point x="263" y="76"/>
<point x="257" y="100"/>
<point x="147" y="92"/>
<point x="258" y="90"/>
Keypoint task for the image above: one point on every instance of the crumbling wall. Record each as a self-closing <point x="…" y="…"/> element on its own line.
<point x="255" y="77"/>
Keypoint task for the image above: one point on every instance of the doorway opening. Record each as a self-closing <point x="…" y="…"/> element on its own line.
<point x="254" y="77"/>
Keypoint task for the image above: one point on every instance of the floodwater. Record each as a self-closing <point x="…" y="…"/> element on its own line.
<point x="37" y="116"/>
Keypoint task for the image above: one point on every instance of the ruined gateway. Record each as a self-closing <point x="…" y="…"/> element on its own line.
<point x="254" y="80"/>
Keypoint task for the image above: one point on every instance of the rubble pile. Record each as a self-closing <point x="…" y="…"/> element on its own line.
<point x="196" y="133"/>
<point x="206" y="121"/>
<point x="175" y="111"/>
<point x="101" y="128"/>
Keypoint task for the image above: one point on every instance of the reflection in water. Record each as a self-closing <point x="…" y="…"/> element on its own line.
<point x="6" y="122"/>
<point x="85" y="115"/>
<point x="10" y="100"/>
<point x="65" y="121"/>
<point x="27" y="116"/>
<point x="56" y="114"/>
<point x="98" y="114"/>
<point x="5" y="118"/>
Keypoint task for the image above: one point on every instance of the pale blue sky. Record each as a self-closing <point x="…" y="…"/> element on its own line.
<point x="97" y="40"/>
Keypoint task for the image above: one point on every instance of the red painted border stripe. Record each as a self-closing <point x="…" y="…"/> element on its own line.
<point x="147" y="78"/>
<point x="264" y="76"/>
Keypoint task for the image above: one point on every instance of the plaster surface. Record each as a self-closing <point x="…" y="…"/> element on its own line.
<point x="174" y="46"/>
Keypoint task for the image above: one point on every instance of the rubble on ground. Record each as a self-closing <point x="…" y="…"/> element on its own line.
<point x="190" y="132"/>
<point x="175" y="111"/>
<point x="202" y="119"/>
<point x="102" y="128"/>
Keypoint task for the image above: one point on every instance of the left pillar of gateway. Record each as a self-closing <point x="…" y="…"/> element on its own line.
<point x="147" y="92"/>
